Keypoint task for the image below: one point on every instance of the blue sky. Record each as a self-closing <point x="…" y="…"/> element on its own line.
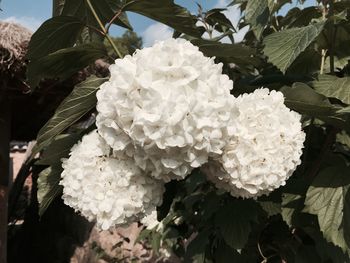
<point x="31" y="13"/>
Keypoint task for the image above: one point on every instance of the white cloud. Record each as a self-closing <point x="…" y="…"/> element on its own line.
<point x="29" y="22"/>
<point x="155" y="32"/>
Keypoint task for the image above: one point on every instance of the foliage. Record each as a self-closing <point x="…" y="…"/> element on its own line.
<point x="303" y="53"/>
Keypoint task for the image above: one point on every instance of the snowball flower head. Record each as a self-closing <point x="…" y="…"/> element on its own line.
<point x="110" y="191"/>
<point x="265" y="149"/>
<point x="170" y="103"/>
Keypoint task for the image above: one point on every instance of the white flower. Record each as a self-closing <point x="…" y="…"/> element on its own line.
<point x="111" y="191"/>
<point x="169" y="104"/>
<point x="265" y="149"/>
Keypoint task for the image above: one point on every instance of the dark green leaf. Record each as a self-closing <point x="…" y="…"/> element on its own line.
<point x="234" y="221"/>
<point x="81" y="100"/>
<point x="226" y="254"/>
<point x="48" y="187"/>
<point x="166" y="12"/>
<point x="325" y="198"/>
<point x="105" y="10"/>
<point x="334" y="87"/>
<point x="283" y="47"/>
<point x="257" y="15"/>
<point x="195" y="251"/>
<point x="302" y="98"/>
<point x="304" y="16"/>
<point x="290" y="203"/>
<point x="271" y="208"/>
<point x="307" y="63"/>
<point x="59" y="148"/>
<point x="65" y="62"/>
<point x="214" y="16"/>
<point x="237" y="53"/>
<point x="346" y="219"/>
<point x="54" y="34"/>
<point x="327" y="251"/>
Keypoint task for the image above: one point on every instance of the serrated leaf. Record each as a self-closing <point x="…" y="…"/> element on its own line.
<point x="325" y="199"/>
<point x="283" y="47"/>
<point x="54" y="34"/>
<point x="166" y="12"/>
<point x="234" y="221"/>
<point x="257" y="15"/>
<point x="334" y="87"/>
<point x="48" y="187"/>
<point x="81" y="100"/>
<point x="65" y="62"/>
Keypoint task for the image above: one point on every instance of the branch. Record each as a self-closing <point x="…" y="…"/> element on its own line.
<point x="117" y="14"/>
<point x="105" y="32"/>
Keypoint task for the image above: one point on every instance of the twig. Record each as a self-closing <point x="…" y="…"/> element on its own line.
<point x="103" y="29"/>
<point x="261" y="254"/>
<point x="117" y="14"/>
<point x="323" y="60"/>
<point x="324" y="51"/>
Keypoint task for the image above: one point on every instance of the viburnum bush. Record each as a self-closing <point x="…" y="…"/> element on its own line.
<point x="226" y="151"/>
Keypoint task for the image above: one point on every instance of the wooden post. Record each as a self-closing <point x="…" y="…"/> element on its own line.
<point x="4" y="171"/>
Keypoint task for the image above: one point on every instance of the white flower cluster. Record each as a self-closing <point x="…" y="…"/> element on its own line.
<point x="111" y="190"/>
<point x="167" y="106"/>
<point x="265" y="148"/>
<point x="164" y="111"/>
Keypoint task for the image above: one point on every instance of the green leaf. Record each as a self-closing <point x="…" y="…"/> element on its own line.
<point x="54" y="34"/>
<point x="234" y="221"/>
<point x="59" y="148"/>
<point x="215" y="16"/>
<point x="48" y="187"/>
<point x="334" y="87"/>
<point x="65" y="62"/>
<point x="307" y="63"/>
<point x="343" y="138"/>
<point x="271" y="208"/>
<point x="166" y="12"/>
<point x="346" y="219"/>
<point x="105" y="10"/>
<point x="300" y="97"/>
<point x="81" y="100"/>
<point x="257" y="15"/>
<point x="195" y="251"/>
<point x="304" y="16"/>
<point x="290" y="203"/>
<point x="283" y="47"/>
<point x="325" y="199"/>
<point x="238" y="53"/>
<point x="226" y="254"/>
<point x="327" y="251"/>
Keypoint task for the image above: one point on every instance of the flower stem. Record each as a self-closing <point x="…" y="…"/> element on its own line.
<point x="104" y="30"/>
